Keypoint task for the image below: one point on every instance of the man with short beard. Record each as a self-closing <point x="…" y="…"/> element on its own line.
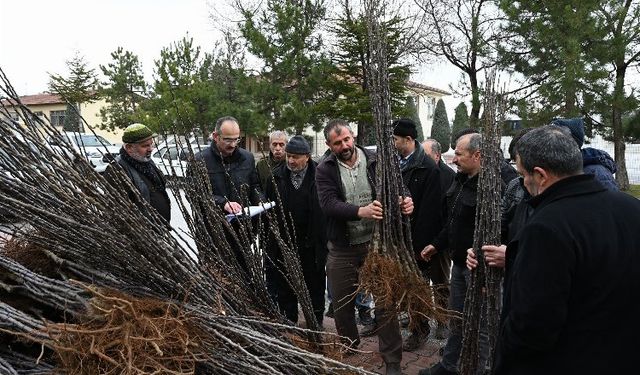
<point x="347" y="197"/>
<point x="135" y="160"/>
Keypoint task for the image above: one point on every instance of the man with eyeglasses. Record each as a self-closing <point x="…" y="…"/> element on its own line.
<point x="231" y="169"/>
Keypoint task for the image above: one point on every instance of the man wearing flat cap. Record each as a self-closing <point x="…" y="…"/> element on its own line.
<point x="300" y="214"/>
<point x="422" y="177"/>
<point x="135" y="160"/>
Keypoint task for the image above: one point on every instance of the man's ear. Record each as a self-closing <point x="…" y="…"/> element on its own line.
<point x="544" y="176"/>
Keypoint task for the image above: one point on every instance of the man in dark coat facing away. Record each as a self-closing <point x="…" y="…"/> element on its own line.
<point x="296" y="190"/>
<point x="571" y="305"/>
<point x="422" y="177"/>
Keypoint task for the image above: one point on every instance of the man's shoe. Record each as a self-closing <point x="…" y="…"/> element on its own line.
<point x="414" y="341"/>
<point x="364" y="316"/>
<point x="329" y="313"/>
<point x="369" y="329"/>
<point x="437" y="369"/>
<point x="393" y="369"/>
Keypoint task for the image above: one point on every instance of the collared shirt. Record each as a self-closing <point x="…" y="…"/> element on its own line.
<point x="298" y="177"/>
<point x="404" y="160"/>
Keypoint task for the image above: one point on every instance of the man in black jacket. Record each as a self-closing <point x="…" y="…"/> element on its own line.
<point x="275" y="159"/>
<point x="301" y="217"/>
<point x="347" y="196"/>
<point x="421" y="176"/>
<point x="457" y="237"/>
<point x="232" y="172"/>
<point x="571" y="303"/>
<point x="135" y="160"/>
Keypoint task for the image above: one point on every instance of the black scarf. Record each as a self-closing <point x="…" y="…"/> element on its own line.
<point x="147" y="169"/>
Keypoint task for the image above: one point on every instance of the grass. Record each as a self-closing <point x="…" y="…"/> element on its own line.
<point x="634" y="190"/>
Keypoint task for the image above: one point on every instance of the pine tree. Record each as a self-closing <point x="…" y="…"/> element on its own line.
<point x="351" y="61"/>
<point x="123" y="91"/>
<point x="460" y="118"/>
<point x="285" y="37"/>
<point x="72" y="122"/>
<point x="77" y="88"/>
<point x="440" y="131"/>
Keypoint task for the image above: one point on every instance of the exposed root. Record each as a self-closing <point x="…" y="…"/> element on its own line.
<point x="396" y="289"/>
<point x="126" y="335"/>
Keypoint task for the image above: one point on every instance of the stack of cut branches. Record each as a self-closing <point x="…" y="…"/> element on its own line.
<point x="390" y="266"/>
<point x="94" y="282"/>
<point x="482" y="303"/>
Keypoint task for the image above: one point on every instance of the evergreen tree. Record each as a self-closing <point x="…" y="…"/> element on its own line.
<point x="619" y="50"/>
<point x="285" y="37"/>
<point x="440" y="131"/>
<point x="412" y="112"/>
<point x="351" y="60"/>
<point x="72" y="122"/>
<point x="123" y="91"/>
<point x="77" y="88"/>
<point x="550" y="46"/>
<point x="230" y="87"/>
<point x="460" y="118"/>
<point x="181" y="97"/>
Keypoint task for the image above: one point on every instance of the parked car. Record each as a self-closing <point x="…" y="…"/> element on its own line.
<point x="168" y="156"/>
<point x="98" y="151"/>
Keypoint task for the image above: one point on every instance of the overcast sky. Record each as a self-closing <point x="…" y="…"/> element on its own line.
<point x="38" y="36"/>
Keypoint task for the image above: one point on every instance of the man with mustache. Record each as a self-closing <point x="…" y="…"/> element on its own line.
<point x="345" y="183"/>
<point x="294" y="187"/>
<point x="135" y="160"/>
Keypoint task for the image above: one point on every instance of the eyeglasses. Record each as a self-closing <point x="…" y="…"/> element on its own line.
<point x="231" y="141"/>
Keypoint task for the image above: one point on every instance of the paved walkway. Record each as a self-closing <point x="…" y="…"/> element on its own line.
<point x="412" y="362"/>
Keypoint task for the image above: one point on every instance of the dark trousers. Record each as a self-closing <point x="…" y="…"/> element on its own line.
<point x="281" y="292"/>
<point x="342" y="272"/>
<point x="460" y="279"/>
<point x="438" y="271"/>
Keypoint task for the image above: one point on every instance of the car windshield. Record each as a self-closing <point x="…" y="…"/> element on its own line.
<point x="90" y="140"/>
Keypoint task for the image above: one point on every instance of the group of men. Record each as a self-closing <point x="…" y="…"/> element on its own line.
<point x="571" y="271"/>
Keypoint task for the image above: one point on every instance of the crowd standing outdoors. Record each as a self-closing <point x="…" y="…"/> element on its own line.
<point x="570" y="241"/>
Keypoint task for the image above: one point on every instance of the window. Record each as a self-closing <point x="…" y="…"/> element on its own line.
<point x="431" y="106"/>
<point x="57" y="118"/>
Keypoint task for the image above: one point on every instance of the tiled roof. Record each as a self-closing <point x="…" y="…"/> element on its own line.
<point x="420" y="86"/>
<point x="39" y="99"/>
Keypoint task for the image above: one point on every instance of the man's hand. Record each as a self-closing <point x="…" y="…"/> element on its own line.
<point x="406" y="205"/>
<point x="371" y="211"/>
<point x="472" y="262"/>
<point x="493" y="255"/>
<point x="232" y="207"/>
<point x="428" y="252"/>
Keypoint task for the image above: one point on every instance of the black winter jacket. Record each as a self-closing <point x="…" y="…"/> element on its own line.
<point x="459" y="220"/>
<point x="232" y="178"/>
<point x="161" y="201"/>
<point x="422" y="177"/>
<point x="571" y="301"/>
<point x="312" y="238"/>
